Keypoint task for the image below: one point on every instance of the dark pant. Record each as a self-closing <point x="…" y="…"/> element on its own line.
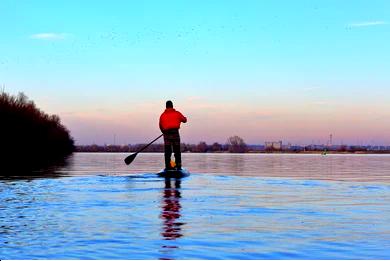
<point x="172" y="143"/>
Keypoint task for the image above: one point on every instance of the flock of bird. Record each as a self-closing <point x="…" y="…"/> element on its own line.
<point x="188" y="39"/>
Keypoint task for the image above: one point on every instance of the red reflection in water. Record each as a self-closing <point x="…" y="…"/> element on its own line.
<point x="171" y="212"/>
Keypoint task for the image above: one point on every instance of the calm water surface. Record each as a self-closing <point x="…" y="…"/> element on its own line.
<point x="231" y="207"/>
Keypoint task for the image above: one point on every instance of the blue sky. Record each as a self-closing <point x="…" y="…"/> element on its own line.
<point x="264" y="70"/>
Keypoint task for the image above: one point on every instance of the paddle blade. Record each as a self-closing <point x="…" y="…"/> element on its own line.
<point x="129" y="159"/>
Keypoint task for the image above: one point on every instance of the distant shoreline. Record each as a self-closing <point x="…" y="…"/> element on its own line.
<point x="257" y="152"/>
<point x="202" y="147"/>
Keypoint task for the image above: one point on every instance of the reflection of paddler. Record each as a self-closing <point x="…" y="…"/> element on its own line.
<point x="171" y="211"/>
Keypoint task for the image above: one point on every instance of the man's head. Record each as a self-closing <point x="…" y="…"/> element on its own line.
<point x="169" y="104"/>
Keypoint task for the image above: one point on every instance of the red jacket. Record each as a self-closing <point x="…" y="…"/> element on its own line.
<point x="171" y="119"/>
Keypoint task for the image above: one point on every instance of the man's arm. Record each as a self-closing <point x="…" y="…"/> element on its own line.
<point x="182" y="118"/>
<point x="159" y="124"/>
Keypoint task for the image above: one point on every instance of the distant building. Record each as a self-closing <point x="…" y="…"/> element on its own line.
<point x="273" y="145"/>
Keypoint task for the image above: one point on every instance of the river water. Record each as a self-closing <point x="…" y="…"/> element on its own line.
<point x="232" y="206"/>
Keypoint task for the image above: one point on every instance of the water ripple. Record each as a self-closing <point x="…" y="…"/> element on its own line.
<point x="284" y="211"/>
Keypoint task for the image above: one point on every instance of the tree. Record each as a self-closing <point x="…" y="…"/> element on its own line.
<point x="42" y="137"/>
<point x="236" y="144"/>
<point x="216" y="147"/>
<point x="201" y="147"/>
<point x="343" y="148"/>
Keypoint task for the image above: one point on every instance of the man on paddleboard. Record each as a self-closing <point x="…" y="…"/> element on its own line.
<point x="170" y="121"/>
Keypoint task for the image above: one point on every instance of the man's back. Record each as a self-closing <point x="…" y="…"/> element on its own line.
<point x="171" y="119"/>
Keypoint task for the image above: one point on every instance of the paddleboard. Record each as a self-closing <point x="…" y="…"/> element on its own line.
<point x="174" y="173"/>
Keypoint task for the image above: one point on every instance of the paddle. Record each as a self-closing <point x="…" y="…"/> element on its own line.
<point x="129" y="159"/>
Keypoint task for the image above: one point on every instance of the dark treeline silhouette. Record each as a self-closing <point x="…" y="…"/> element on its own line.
<point x="201" y="147"/>
<point x="237" y="144"/>
<point x="234" y="144"/>
<point x="30" y="138"/>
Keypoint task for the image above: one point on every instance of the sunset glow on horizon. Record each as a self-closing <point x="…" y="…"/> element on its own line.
<point x="294" y="71"/>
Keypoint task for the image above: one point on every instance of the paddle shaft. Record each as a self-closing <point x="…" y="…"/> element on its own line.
<point x="130" y="159"/>
<point x="147" y="145"/>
